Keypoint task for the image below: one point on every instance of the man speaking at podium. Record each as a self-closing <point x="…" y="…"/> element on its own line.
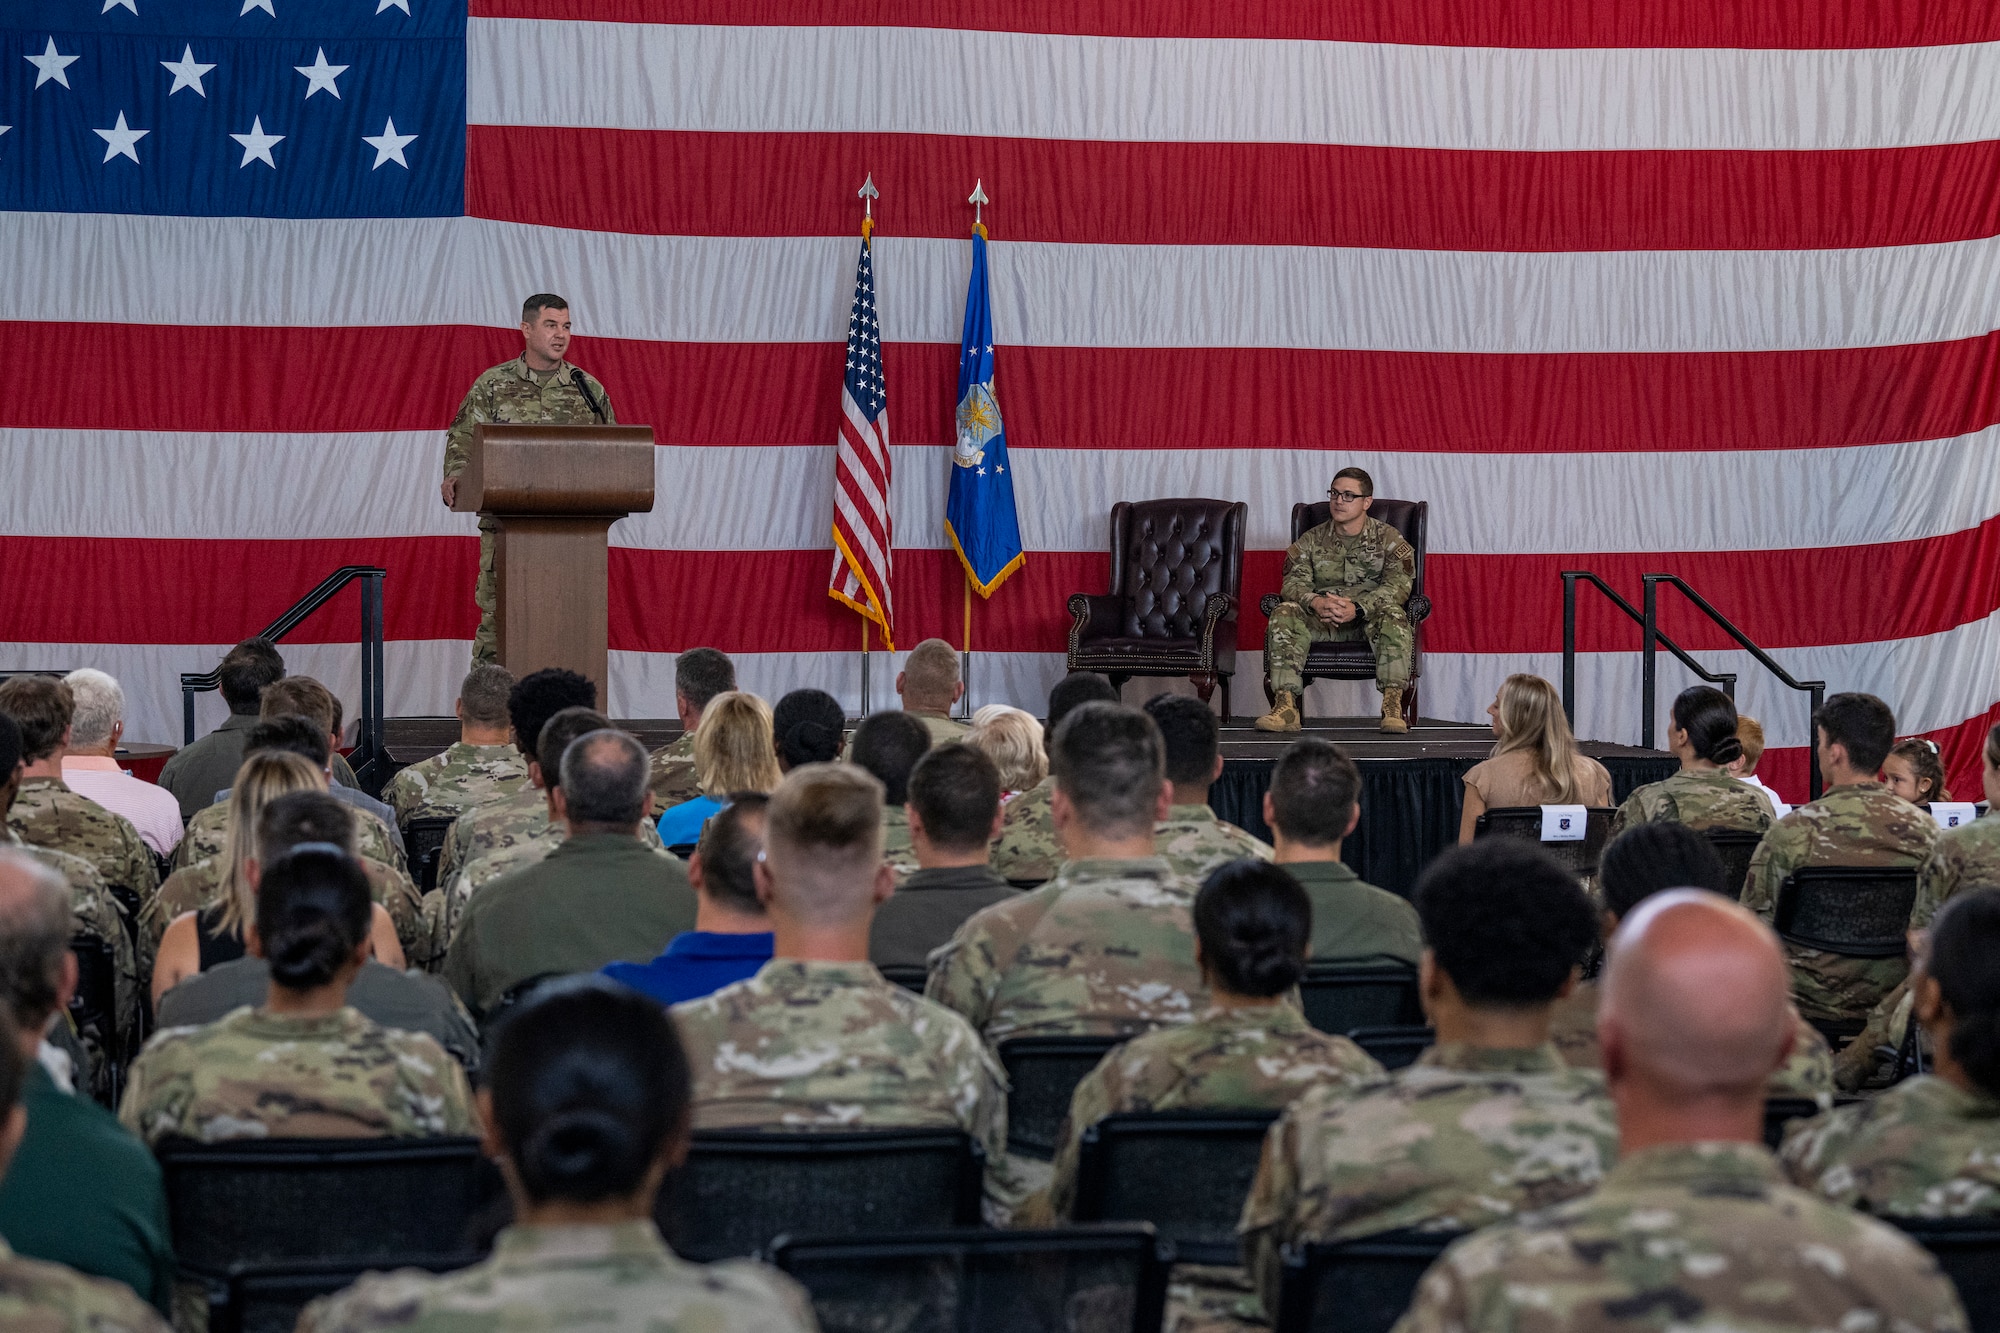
<point x="536" y="388"/>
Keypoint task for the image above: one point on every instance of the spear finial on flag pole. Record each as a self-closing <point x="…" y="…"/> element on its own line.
<point x="868" y="194"/>
<point x="978" y="200"/>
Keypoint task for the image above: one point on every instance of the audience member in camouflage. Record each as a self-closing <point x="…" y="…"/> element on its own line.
<point x="1704" y="794"/>
<point x="462" y="777"/>
<point x="96" y="917"/>
<point x="699" y="675"/>
<point x="1192" y="841"/>
<point x="200" y="885"/>
<point x="673" y="778"/>
<point x="1026" y="848"/>
<point x="46" y="813"/>
<point x="1967" y="857"/>
<point x="897" y="853"/>
<point x="38" y="1297"/>
<point x="889" y="745"/>
<point x="520" y="824"/>
<point x="208" y="834"/>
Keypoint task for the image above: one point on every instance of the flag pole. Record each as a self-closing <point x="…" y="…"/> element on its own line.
<point x="965" y="657"/>
<point x="867" y="194"/>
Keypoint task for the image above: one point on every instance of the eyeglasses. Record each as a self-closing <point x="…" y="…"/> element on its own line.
<point x="1346" y="497"/>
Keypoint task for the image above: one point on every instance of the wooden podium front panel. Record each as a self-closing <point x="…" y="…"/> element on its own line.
<point x="553" y="610"/>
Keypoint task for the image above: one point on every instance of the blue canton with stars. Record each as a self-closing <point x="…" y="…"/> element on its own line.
<point x="865" y="383"/>
<point x="234" y="108"/>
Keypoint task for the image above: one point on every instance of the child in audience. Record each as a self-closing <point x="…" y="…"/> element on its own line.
<point x="1750" y="736"/>
<point x="1913" y="772"/>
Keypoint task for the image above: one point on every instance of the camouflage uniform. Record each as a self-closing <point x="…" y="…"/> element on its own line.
<point x="1701" y="800"/>
<point x="1967" y="857"/>
<point x="464" y="777"/>
<point x="1923" y="1148"/>
<point x="511" y="393"/>
<point x="1859" y="824"/>
<point x="509" y="820"/>
<point x="255" y="1075"/>
<point x="197" y="886"/>
<point x="1027" y="848"/>
<point x="1465" y="1137"/>
<point x="673" y="777"/>
<point x="1374" y="569"/>
<point x="1193" y="841"/>
<point x="615" y="1279"/>
<point x="46" y="813"/>
<point x="943" y="729"/>
<point x="897" y="853"/>
<point x="38" y="1297"/>
<point x="1807" y="1074"/>
<point x="208" y="835"/>
<point x="1688" y="1236"/>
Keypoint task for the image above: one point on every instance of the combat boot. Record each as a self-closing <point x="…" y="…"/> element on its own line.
<point x="1284" y="714"/>
<point x="1392" y="709"/>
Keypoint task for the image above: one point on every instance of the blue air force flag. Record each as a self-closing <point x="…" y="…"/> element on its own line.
<point x="979" y="517"/>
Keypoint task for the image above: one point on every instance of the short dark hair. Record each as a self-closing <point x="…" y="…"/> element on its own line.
<point x="10" y="748"/>
<point x="1965" y="962"/>
<point x="539" y="302"/>
<point x="246" y="669"/>
<point x="1650" y="858"/>
<point x="557" y="734"/>
<point x="1860" y="722"/>
<point x="293" y="734"/>
<point x="304" y="696"/>
<point x="1505" y="921"/>
<point x="1314" y="788"/>
<point x="604" y="777"/>
<point x="1110" y="762"/>
<point x="1367" y="482"/>
<point x="313" y="910"/>
<point x="728" y="852"/>
<point x="482" y="695"/>
<point x="702" y="673"/>
<point x="300" y="817"/>
<point x="1192" y="737"/>
<point x="889" y="744"/>
<point x="539" y="696"/>
<point x="1708" y="716"/>
<point x="1072" y="692"/>
<point x="807" y="727"/>
<point x="41" y="707"/>
<point x="1255" y="925"/>
<point x="955" y="791"/>
<point x="34" y="935"/>
<point x="589" y="1082"/>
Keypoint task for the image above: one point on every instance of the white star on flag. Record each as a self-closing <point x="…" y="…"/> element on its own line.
<point x="120" y="140"/>
<point x="320" y="75"/>
<point x="48" y="65"/>
<point x="264" y="5"/>
<point x="257" y="144"/>
<point x="110" y="5"/>
<point x="389" y="145"/>
<point x="187" y="72"/>
<point x="403" y="5"/>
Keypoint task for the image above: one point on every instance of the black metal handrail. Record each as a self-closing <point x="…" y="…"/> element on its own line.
<point x="1726" y="679"/>
<point x="369" y="753"/>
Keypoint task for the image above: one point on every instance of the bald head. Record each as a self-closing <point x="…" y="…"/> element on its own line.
<point x="1697" y="1000"/>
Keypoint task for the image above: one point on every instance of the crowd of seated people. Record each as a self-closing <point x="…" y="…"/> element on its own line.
<point x="1066" y="878"/>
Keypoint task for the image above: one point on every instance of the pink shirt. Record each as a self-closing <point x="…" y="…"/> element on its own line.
<point x="152" y="810"/>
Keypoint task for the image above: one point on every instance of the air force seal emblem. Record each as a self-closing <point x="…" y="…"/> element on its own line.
<point x="978" y="422"/>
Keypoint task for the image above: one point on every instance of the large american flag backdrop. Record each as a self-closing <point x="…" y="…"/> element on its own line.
<point x="1708" y="287"/>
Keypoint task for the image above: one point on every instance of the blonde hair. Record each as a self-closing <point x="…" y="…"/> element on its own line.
<point x="1532" y="721"/>
<point x="1012" y="739"/>
<point x="264" y="777"/>
<point x="733" y="749"/>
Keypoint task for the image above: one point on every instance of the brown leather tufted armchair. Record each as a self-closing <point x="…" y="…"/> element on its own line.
<point x="1354" y="661"/>
<point x="1176" y="581"/>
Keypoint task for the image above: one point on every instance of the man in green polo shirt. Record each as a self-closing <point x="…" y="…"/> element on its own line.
<point x="82" y="1191"/>
<point x="1315" y="802"/>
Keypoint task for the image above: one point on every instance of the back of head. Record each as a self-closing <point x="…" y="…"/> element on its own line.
<point x="1073" y="692"/>
<point x="1708" y="716"/>
<point x="42" y="707"/>
<point x="590" y="1083"/>
<point x="246" y="671"/>
<point x="1649" y="858"/>
<point x="300" y="817"/>
<point x="1532" y="720"/>
<point x="539" y="696"/>
<point x="733" y="748"/>
<point x="313" y="911"/>
<point x="930" y="676"/>
<point x="263" y="777"/>
<point x="1750" y="735"/>
<point x="1926" y="764"/>
<point x="702" y="673"/>
<point x="604" y="780"/>
<point x="1964" y="960"/>
<point x="1863" y="724"/>
<point x="100" y="707"/>
<point x="1110" y="762"/>
<point x="35" y="927"/>
<point x="1696" y="1000"/>
<point x="290" y="733"/>
<point x="1314" y="788"/>
<point x="1505" y="921"/>
<point x="482" y="695"/>
<point x="823" y="844"/>
<point x="301" y="696"/>
<point x="558" y="733"/>
<point x="806" y="728"/>
<point x="1192" y="737"/>
<point x="955" y="793"/>
<point x="888" y="745"/>
<point x="10" y="748"/>
<point x="1255" y="925"/>
<point x="1012" y="739"/>
<point x="730" y="844"/>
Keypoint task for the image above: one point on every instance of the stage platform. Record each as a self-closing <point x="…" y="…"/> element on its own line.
<point x="1411" y="785"/>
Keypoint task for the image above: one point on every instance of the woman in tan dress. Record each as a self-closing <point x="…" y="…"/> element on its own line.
<point x="1535" y="761"/>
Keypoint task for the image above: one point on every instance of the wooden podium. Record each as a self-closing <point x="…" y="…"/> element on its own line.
<point x="555" y="492"/>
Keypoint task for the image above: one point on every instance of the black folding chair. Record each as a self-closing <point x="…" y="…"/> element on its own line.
<point x="909" y="976"/>
<point x="1042" y="1072"/>
<point x="1186" y="1172"/>
<point x="1968" y="1250"/>
<point x="423" y="840"/>
<point x="1855" y="911"/>
<point x="1734" y="847"/>
<point x="267" y="1298"/>
<point x="1340" y="997"/>
<point x="1394" y="1047"/>
<point x="741" y="1187"/>
<point x="1525" y="822"/>
<point x="1107" y="1278"/>
<point x="1354" y="1286"/>
<point x="94" y="1007"/>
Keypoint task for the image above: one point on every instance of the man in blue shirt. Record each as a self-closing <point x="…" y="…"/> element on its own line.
<point x="731" y="938"/>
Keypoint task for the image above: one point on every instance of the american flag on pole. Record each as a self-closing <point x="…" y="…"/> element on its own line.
<point x="861" y="566"/>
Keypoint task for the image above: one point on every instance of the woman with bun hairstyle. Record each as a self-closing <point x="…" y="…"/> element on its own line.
<point x="1703" y="795"/>
<point x="586" y="1110"/>
<point x="1929" y="1146"/>
<point x="303" y="1064"/>
<point x="1250" y="1051"/>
